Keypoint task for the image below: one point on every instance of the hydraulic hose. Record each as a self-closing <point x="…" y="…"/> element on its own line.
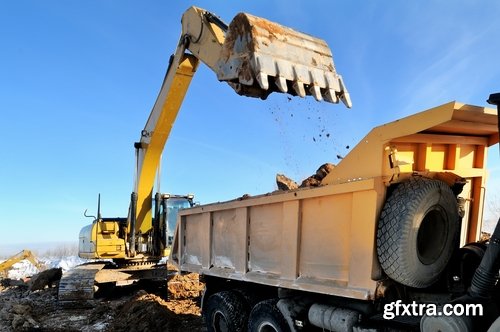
<point x="484" y="278"/>
<point x="133" y="208"/>
<point x="157" y="236"/>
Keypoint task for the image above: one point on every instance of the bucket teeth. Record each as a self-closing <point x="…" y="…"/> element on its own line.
<point x="281" y="75"/>
<point x="344" y="94"/>
<point x="262" y="79"/>
<point x="245" y="79"/>
<point x="281" y="84"/>
<point x="331" y="96"/>
<point x="265" y="57"/>
<point x="346" y="99"/>
<point x="315" y="91"/>
<point x="299" y="88"/>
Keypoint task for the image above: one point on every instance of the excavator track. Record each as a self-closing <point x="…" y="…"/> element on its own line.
<point x="77" y="286"/>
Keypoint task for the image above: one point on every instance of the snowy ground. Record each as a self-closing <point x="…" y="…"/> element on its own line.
<point x="129" y="308"/>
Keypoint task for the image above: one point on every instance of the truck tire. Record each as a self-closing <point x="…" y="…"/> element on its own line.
<point x="226" y="311"/>
<point x="418" y="231"/>
<point x="266" y="317"/>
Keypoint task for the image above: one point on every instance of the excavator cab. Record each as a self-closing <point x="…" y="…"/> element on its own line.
<point x="167" y="207"/>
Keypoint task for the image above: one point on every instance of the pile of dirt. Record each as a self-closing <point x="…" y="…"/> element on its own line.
<point x="185" y="286"/>
<point x="285" y="183"/>
<point x="149" y="312"/>
<point x="28" y="306"/>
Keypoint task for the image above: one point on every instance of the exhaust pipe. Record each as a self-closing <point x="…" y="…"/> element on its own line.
<point x="495" y="100"/>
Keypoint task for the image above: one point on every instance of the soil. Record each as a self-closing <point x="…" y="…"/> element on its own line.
<point x="131" y="308"/>
<point x="285" y="183"/>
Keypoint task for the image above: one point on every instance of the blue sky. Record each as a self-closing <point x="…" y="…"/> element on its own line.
<point x="78" y="80"/>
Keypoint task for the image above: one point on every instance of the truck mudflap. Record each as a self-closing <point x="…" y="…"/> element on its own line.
<point x="260" y="57"/>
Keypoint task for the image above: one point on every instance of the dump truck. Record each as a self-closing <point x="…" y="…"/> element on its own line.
<point x="255" y="57"/>
<point x="396" y="223"/>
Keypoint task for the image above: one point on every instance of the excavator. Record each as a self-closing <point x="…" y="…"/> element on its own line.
<point x="255" y="57"/>
<point x="25" y="254"/>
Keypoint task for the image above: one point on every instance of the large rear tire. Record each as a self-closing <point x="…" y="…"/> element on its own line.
<point x="417" y="231"/>
<point x="266" y="317"/>
<point x="226" y="311"/>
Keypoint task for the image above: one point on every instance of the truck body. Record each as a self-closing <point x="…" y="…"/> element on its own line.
<point x="327" y="244"/>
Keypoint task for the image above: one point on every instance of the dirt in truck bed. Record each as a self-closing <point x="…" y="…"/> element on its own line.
<point x="130" y="308"/>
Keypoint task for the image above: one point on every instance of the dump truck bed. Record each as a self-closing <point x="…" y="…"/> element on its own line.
<point x="312" y="239"/>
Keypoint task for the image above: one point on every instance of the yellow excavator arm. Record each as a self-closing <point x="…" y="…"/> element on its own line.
<point x="255" y="57"/>
<point x="25" y="254"/>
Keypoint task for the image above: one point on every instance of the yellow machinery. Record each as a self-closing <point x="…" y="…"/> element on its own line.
<point x="255" y="57"/>
<point x="25" y="254"/>
<point x="397" y="219"/>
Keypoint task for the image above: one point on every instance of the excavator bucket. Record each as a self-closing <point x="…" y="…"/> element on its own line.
<point x="260" y="57"/>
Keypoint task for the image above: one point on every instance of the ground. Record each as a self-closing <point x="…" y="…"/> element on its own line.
<point x="129" y="309"/>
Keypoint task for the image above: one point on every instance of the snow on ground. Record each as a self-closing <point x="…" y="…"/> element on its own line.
<point x="24" y="268"/>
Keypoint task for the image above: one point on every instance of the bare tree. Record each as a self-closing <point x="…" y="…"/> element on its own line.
<point x="62" y="250"/>
<point x="493" y="204"/>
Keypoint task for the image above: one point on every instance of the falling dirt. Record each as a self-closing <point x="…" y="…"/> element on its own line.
<point x="305" y="128"/>
<point x="130" y="309"/>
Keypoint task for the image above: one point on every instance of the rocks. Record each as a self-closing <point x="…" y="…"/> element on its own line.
<point x="323" y="171"/>
<point x="32" y="305"/>
<point x="285" y="183"/>
<point x="310" y="182"/>
<point x="23" y="322"/>
<point x="16" y="314"/>
<point x="7" y="282"/>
